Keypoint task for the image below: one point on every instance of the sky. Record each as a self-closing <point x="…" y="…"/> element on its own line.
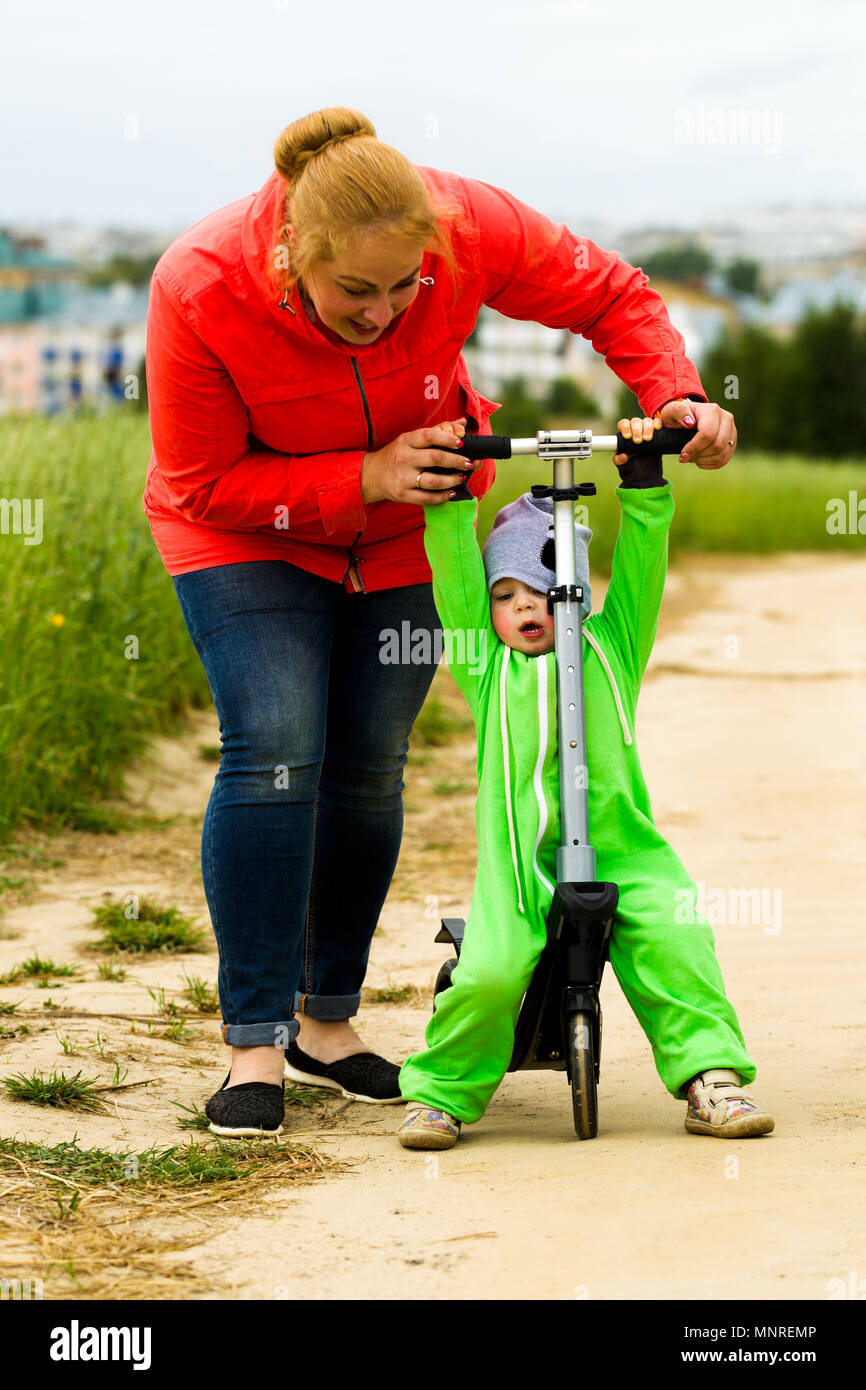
<point x="154" y="114"/>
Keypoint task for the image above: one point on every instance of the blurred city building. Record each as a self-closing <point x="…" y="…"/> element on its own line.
<point x="503" y="348"/>
<point x="64" y="344"/>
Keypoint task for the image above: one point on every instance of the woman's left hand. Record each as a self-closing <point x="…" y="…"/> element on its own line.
<point x="716" y="439"/>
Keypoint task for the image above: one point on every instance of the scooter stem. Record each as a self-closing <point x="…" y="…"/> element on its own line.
<point x="575" y="858"/>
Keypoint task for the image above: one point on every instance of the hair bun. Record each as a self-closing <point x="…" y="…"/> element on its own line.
<point x="309" y="135"/>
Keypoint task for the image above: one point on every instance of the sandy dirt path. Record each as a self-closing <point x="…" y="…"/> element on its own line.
<point x="751" y="731"/>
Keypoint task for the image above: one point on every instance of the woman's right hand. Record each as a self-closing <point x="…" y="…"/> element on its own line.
<point x="396" y="472"/>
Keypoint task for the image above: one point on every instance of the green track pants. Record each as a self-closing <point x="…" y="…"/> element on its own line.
<point x="667" y="969"/>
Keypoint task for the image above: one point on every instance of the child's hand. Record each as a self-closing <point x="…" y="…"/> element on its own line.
<point x="457" y="427"/>
<point x="637" y="429"/>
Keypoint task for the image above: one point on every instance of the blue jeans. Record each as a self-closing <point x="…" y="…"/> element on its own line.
<point x="303" y="828"/>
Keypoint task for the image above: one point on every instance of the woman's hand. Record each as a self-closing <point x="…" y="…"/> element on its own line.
<point x="716" y="439"/>
<point x="712" y="446"/>
<point x="396" y="472"/>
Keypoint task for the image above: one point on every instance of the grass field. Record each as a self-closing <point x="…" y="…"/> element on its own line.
<point x="97" y="658"/>
<point x="77" y="702"/>
<point x="756" y="504"/>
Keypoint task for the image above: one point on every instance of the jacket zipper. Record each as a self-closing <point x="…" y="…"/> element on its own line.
<point x="355" y="561"/>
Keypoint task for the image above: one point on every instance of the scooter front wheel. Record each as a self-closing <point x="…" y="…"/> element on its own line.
<point x="443" y="979"/>
<point x="582" y="1065"/>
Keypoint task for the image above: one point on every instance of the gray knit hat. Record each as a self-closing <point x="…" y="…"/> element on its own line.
<point x="520" y="546"/>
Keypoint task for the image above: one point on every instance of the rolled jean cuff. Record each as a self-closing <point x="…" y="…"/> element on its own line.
<point x="260" y="1034"/>
<point x="330" y="1008"/>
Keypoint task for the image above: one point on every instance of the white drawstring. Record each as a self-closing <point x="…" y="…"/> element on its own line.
<point x="541" y="669"/>
<point x="603" y="659"/>
<point x="506" y="763"/>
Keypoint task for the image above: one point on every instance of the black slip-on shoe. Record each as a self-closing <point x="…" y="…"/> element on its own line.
<point x="365" y="1076"/>
<point x="247" y="1111"/>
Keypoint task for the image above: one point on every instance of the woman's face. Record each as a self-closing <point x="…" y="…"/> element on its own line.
<point x="358" y="293"/>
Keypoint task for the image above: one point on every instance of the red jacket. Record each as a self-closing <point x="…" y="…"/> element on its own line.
<point x="259" y="421"/>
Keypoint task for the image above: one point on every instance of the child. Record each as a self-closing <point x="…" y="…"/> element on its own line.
<point x="667" y="969"/>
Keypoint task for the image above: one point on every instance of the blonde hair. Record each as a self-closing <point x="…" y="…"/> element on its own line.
<point x="342" y="181"/>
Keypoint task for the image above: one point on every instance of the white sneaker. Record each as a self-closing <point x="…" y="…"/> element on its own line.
<point x="718" y="1105"/>
<point x="427" y="1128"/>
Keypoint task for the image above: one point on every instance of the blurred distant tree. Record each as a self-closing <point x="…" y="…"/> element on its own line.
<point x="521" y="414"/>
<point x="805" y="394"/>
<point x="567" y="397"/>
<point x="746" y="372"/>
<point x="743" y="276"/>
<point x="133" y="270"/>
<point x="686" y="263"/>
<point x="826" y="381"/>
<point x="627" y="405"/>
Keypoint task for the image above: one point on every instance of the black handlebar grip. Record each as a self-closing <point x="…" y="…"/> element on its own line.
<point x="662" y="442"/>
<point x="484" y="446"/>
<point x="475" y="446"/>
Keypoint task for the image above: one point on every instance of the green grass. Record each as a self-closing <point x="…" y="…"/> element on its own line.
<point x="390" y="994"/>
<point x="37" y="968"/>
<point x="176" y="1031"/>
<point x="14" y="1032"/>
<point x="203" y="996"/>
<point x="197" y="1119"/>
<point x="34" y="856"/>
<point x="102" y="656"/>
<point x="185" y="1166"/>
<point x="757" y="504"/>
<point x="111" y="970"/>
<point x="58" y="1089"/>
<point x="168" y="1007"/>
<point x="156" y="928"/>
<point x="436" y="725"/>
<point x="77" y="703"/>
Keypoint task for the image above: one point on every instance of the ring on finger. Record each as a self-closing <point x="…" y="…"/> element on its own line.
<point x="418" y="481"/>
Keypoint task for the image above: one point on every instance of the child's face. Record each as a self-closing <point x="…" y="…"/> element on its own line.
<point x="520" y="617"/>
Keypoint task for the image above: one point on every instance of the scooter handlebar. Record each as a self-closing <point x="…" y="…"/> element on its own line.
<point x="498" y="446"/>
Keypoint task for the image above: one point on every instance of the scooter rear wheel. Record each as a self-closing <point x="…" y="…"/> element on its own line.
<point x="582" y="1064"/>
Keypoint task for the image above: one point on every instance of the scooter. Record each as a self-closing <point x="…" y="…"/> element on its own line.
<point x="559" y="1024"/>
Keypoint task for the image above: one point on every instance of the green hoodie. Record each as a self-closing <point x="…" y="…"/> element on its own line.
<point x="512" y="695"/>
<point x="668" y="971"/>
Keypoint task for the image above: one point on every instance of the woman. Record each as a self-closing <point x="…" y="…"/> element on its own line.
<point x="304" y="371"/>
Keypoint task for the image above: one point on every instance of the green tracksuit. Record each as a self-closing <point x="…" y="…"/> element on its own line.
<point x="662" y="952"/>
